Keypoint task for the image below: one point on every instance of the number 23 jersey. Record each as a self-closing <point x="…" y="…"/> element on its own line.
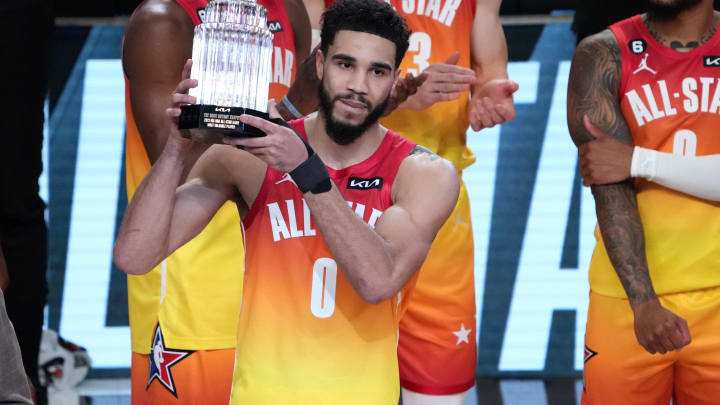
<point x="305" y="335"/>
<point x="671" y="103"/>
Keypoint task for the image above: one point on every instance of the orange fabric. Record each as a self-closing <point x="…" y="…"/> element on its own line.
<point x="199" y="306"/>
<point x="671" y="103"/>
<point x="619" y="371"/>
<point x="437" y="353"/>
<point x="439" y="28"/>
<point x="203" y="377"/>
<point x="305" y="335"/>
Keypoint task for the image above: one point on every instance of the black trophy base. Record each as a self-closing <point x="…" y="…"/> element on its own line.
<point x="219" y="119"/>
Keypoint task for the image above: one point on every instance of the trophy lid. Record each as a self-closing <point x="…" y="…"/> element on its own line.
<point x="247" y="12"/>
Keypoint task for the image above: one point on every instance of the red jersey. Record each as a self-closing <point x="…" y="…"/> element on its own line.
<point x="305" y="335"/>
<point x="671" y="103"/>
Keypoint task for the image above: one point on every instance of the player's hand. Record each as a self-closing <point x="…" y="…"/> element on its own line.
<point x="493" y="104"/>
<point x="659" y="330"/>
<point x="186" y="139"/>
<point x="280" y="148"/>
<point x="604" y="160"/>
<point x="405" y="87"/>
<point x="444" y="82"/>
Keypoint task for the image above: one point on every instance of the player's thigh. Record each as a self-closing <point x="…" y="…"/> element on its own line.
<point x="436" y="350"/>
<point x="199" y="377"/>
<point x="697" y="372"/>
<point x="618" y="370"/>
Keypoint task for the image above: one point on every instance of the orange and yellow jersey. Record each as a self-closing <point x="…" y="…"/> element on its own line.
<point x="439" y="28"/>
<point x="196" y="293"/>
<point x="305" y="336"/>
<point x="671" y="103"/>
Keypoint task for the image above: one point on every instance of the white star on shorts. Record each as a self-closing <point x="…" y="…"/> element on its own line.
<point x="462" y="334"/>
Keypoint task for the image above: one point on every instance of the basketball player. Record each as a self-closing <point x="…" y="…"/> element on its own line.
<point x="649" y="81"/>
<point x="183" y="313"/>
<point x="326" y="260"/>
<point x="608" y="160"/>
<point x="460" y="46"/>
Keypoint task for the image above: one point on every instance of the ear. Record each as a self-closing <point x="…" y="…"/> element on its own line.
<point x="397" y="77"/>
<point x="319" y="63"/>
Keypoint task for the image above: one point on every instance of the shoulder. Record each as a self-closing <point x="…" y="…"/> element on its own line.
<point x="599" y="47"/>
<point x="158" y="19"/>
<point x="159" y="12"/>
<point x="422" y="168"/>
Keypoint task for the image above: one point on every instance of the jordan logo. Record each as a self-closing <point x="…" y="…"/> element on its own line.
<point x="285" y="178"/>
<point x="643" y="66"/>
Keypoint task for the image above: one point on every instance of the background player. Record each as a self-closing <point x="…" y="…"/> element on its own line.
<point x="183" y="314"/>
<point x="653" y="275"/>
<point x="341" y="347"/>
<point x="460" y="46"/>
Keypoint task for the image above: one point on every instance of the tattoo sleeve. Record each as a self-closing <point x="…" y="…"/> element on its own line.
<point x="593" y="92"/>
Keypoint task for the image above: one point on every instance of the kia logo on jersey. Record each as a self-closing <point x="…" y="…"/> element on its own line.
<point x="274" y="26"/>
<point x="359" y="183"/>
<point x="711" y="61"/>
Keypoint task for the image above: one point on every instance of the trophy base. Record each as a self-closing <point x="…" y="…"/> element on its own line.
<point x="219" y="118"/>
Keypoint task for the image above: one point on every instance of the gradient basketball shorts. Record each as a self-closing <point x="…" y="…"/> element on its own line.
<point x="619" y="371"/>
<point x="172" y="376"/>
<point x="436" y="350"/>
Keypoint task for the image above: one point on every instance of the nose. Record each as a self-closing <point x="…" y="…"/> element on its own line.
<point x="358" y="82"/>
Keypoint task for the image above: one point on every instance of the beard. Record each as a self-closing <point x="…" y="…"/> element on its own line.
<point x="343" y="133"/>
<point x="661" y="11"/>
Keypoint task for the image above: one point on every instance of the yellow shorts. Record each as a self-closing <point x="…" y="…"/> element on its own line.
<point x="619" y="371"/>
<point x="436" y="350"/>
<point x="172" y="376"/>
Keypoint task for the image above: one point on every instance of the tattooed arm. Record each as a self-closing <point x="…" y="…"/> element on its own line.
<point x="593" y="97"/>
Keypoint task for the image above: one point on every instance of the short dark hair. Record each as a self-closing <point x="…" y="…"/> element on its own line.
<point x="371" y="16"/>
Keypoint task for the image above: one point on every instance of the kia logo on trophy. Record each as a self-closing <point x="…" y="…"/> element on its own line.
<point x="232" y="53"/>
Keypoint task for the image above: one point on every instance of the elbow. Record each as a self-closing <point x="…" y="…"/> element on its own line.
<point x="125" y="261"/>
<point x="376" y="294"/>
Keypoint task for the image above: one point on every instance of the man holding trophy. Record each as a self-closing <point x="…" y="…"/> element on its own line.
<point x="190" y="303"/>
<point x="331" y="250"/>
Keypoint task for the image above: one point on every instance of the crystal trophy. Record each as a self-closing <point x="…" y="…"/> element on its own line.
<point x="232" y="52"/>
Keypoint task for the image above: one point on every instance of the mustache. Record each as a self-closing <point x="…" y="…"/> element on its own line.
<point x="354" y="97"/>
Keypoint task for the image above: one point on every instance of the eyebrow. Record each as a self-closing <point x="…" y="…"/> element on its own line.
<point x="348" y="58"/>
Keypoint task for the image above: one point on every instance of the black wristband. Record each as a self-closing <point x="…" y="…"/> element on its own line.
<point x="311" y="175"/>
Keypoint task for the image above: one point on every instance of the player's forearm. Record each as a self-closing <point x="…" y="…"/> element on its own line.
<point x="303" y="91"/>
<point x="143" y="239"/>
<point x="624" y="238"/>
<point x="488" y="45"/>
<point x="363" y="256"/>
<point x="698" y="176"/>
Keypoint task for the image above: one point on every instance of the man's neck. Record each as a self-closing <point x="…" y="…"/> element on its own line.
<point x="688" y="30"/>
<point x="342" y="156"/>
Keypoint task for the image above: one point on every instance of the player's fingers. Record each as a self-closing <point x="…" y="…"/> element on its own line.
<point x="456" y="71"/>
<point x="492" y="113"/>
<point x="507" y="113"/>
<point x="684" y="331"/>
<point x="247" y="142"/>
<point x="453" y="58"/>
<point x="272" y="109"/>
<point x="594" y="131"/>
<point x="172" y="112"/>
<point x="457" y="77"/>
<point x="181" y="99"/>
<point x="448" y="87"/>
<point x="436" y="97"/>
<point x="185" y="85"/>
<point x="186" y="69"/>
<point x="259" y="123"/>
